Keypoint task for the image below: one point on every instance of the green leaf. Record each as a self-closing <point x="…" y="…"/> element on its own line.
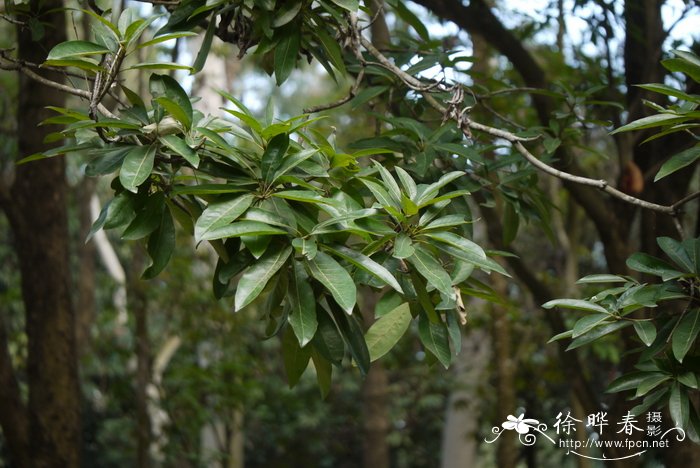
<point x="161" y="245"/>
<point x="292" y="161"/>
<point x="645" y="263"/>
<point x="646" y="331"/>
<point x="604" y="278"/>
<point x="689" y="379"/>
<point x="650" y="382"/>
<point x="306" y="196"/>
<point x="387" y="331"/>
<point x="676" y="252"/>
<point x="288" y="11"/>
<point x="331" y="48"/>
<point x="390" y="184"/>
<point x="81" y="64"/>
<point x="588" y="323"/>
<point x="159" y="66"/>
<point x="403" y="247"/>
<point x="302" y="316"/>
<point x="286" y="53"/>
<point x="626" y="382"/>
<point x="179" y="146"/>
<point x="597" y="333"/>
<point x="679" y="406"/>
<point x="324" y="372"/>
<point x="352" y="334"/>
<point x="121" y="210"/>
<point x="678" y="162"/>
<point x="575" y="304"/>
<point x="466" y="250"/>
<point x="335" y="279"/>
<point x="350" y="5"/>
<point x="409" y="17"/>
<point x="296" y="358"/>
<point x="167" y="87"/>
<point x="409" y="185"/>
<point x="166" y="37"/>
<point x="434" y="338"/>
<point x="432" y="270"/>
<point x="327" y="339"/>
<point x="219" y="214"/>
<point x="147" y="219"/>
<point x="242" y="228"/>
<point x="256" y="276"/>
<point x="367" y="264"/>
<point x="273" y="155"/>
<point x="667" y="90"/>
<point x="71" y="49"/>
<point x="426" y="194"/>
<point x="381" y="195"/>
<point x="137" y="167"/>
<point x="205" y="48"/>
<point x="685" y="334"/>
<point x="511" y="223"/>
<point x="657" y="120"/>
<point x="682" y="65"/>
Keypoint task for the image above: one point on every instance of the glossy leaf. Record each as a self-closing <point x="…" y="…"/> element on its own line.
<point x="434" y="338"/>
<point x="685" y="334"/>
<point x="255" y="277"/>
<point x="137" y="167"/>
<point x="219" y="214"/>
<point x="403" y="247"/>
<point x="646" y="331"/>
<point x="273" y="155"/>
<point x="367" y="264"/>
<point x="678" y="162"/>
<point x="335" y="279"/>
<point x="242" y="228"/>
<point x="286" y="54"/>
<point x="431" y="269"/>
<point x="302" y="316"/>
<point x="161" y="245"/>
<point x="589" y="322"/>
<point x="575" y="304"/>
<point x="179" y="146"/>
<point x="72" y="49"/>
<point x="387" y="331"/>
<point x="296" y="359"/>
<point x="679" y="406"/>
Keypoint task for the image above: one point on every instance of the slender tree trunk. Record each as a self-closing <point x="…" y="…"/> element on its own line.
<point x="87" y="256"/>
<point x="506" y="452"/>
<point x="138" y="304"/>
<point x="375" y="389"/>
<point x="38" y="217"/>
<point x="459" y="441"/>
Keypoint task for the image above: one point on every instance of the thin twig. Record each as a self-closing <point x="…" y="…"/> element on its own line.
<point x="517" y="142"/>
<point x="59" y="86"/>
<point x="351" y="94"/>
<point x="685" y="200"/>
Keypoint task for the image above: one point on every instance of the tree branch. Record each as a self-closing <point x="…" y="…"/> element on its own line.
<point x="53" y="84"/>
<point x="467" y="124"/>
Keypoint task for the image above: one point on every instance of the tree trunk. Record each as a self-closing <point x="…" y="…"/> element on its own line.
<point x="138" y="304"/>
<point x="374" y="400"/>
<point x="459" y="441"/>
<point x="87" y="255"/>
<point x="38" y="216"/>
